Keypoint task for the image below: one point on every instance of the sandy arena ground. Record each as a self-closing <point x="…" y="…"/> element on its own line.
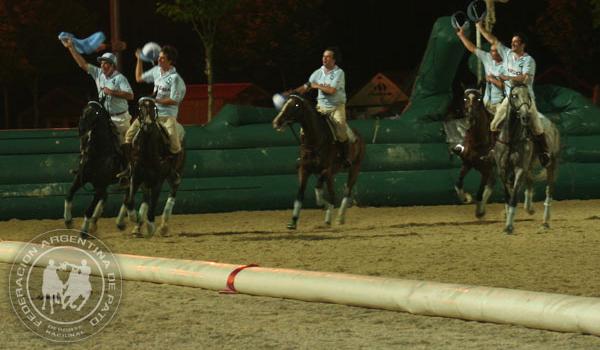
<point x="437" y="243"/>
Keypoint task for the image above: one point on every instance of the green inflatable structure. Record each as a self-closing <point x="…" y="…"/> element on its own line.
<point x="238" y="162"/>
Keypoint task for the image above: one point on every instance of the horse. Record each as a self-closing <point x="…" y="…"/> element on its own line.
<point x="320" y="154"/>
<point x="477" y="142"/>
<point x="100" y="161"/>
<point x="152" y="164"/>
<point x="514" y="154"/>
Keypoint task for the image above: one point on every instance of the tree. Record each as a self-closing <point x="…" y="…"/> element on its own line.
<point x="276" y="35"/>
<point x="567" y="29"/>
<point x="205" y="17"/>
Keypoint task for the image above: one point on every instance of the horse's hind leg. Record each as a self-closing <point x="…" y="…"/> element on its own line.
<point x="329" y="204"/>
<point x="464" y="197"/>
<point x="512" y="203"/>
<point x="528" y="197"/>
<point x="154" y="194"/>
<point x="67" y="214"/>
<point x="347" y="200"/>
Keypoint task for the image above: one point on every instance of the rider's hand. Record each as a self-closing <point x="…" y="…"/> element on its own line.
<point x="67" y="42"/>
<point x="107" y="91"/>
<point x="138" y="52"/>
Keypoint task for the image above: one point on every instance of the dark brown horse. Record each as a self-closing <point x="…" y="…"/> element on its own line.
<point x="477" y="143"/>
<point x="320" y="154"/>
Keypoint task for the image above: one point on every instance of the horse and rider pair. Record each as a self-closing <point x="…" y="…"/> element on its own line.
<point x="102" y="161"/>
<point x="512" y="150"/>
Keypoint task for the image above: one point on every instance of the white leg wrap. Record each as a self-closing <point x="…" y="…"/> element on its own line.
<point x="132" y="214"/>
<point x="319" y="196"/>
<point x="297" y="207"/>
<point x="510" y="216"/>
<point x="98" y="210"/>
<point x="328" y="211"/>
<point x="487" y="193"/>
<point x="528" y="199"/>
<point x="122" y="213"/>
<point x="67" y="213"/>
<point x="85" y="227"/>
<point x="143" y="214"/>
<point x="547" y="205"/>
<point x="341" y="219"/>
<point x="168" y="210"/>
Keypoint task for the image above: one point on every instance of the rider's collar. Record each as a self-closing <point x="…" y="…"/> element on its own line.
<point x="167" y="73"/>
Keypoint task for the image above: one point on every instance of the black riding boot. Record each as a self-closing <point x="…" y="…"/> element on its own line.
<point x="124" y="175"/>
<point x="489" y="156"/>
<point x="346" y="154"/>
<point x="178" y="159"/>
<point x="542" y="148"/>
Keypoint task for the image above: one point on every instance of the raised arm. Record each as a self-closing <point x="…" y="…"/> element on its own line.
<point x="466" y="42"/>
<point x="487" y="35"/>
<point x="81" y="62"/>
<point x="139" y="67"/>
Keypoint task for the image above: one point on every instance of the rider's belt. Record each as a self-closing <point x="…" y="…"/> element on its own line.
<point x="116" y="114"/>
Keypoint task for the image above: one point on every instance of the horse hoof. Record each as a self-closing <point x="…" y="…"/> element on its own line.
<point x="468" y="198"/>
<point x="136" y="232"/>
<point x="531" y="211"/>
<point x="291" y="226"/>
<point x="546" y="226"/>
<point x="84" y="235"/>
<point x="69" y="223"/>
<point x="121" y="226"/>
<point x="509" y="230"/>
<point x="151" y="228"/>
<point x="480" y="214"/>
<point x="340" y="221"/>
<point x="164" y="231"/>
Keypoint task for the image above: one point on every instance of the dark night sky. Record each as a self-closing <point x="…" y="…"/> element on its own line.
<point x="374" y="37"/>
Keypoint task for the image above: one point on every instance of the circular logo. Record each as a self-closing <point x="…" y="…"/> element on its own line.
<point x="63" y="287"/>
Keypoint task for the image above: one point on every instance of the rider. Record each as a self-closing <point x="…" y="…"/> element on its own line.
<point x="113" y="88"/>
<point x="330" y="81"/>
<point x="169" y="89"/>
<point x="519" y="68"/>
<point x="494" y="68"/>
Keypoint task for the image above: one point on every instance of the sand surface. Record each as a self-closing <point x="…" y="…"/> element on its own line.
<point x="436" y="243"/>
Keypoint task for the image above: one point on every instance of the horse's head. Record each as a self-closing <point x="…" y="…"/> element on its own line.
<point x="520" y="103"/>
<point x="473" y="103"/>
<point x="92" y="113"/>
<point x="148" y="110"/>
<point x="292" y="111"/>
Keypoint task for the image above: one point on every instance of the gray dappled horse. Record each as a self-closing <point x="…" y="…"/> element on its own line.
<point x="152" y="165"/>
<point x="100" y="161"/>
<point x="515" y="158"/>
<point x="476" y="144"/>
<point x="319" y="155"/>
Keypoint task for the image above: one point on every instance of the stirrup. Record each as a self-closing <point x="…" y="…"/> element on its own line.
<point x="544" y="159"/>
<point x="124" y="174"/>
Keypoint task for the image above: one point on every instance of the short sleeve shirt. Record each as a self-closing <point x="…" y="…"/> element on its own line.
<point x="492" y="92"/>
<point x="117" y="81"/>
<point x="166" y="85"/>
<point x="515" y="66"/>
<point x="334" y="78"/>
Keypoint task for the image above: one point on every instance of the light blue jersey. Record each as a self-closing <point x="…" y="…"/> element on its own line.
<point x="493" y="94"/>
<point x="515" y="66"/>
<point x="166" y="85"/>
<point x="334" y="78"/>
<point x="116" y="106"/>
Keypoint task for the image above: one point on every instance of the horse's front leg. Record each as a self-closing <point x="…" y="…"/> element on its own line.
<point x="75" y="186"/>
<point x="94" y="211"/>
<point x="549" y="193"/>
<point x="484" y="192"/>
<point x="168" y="210"/>
<point x="513" y="201"/>
<point x="153" y="201"/>
<point x="464" y="197"/>
<point x="303" y="178"/>
<point x="329" y="205"/>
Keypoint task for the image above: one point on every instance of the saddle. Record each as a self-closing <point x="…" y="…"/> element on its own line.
<point x="332" y="126"/>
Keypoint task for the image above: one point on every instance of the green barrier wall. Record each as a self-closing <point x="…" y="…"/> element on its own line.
<point x="238" y="162"/>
